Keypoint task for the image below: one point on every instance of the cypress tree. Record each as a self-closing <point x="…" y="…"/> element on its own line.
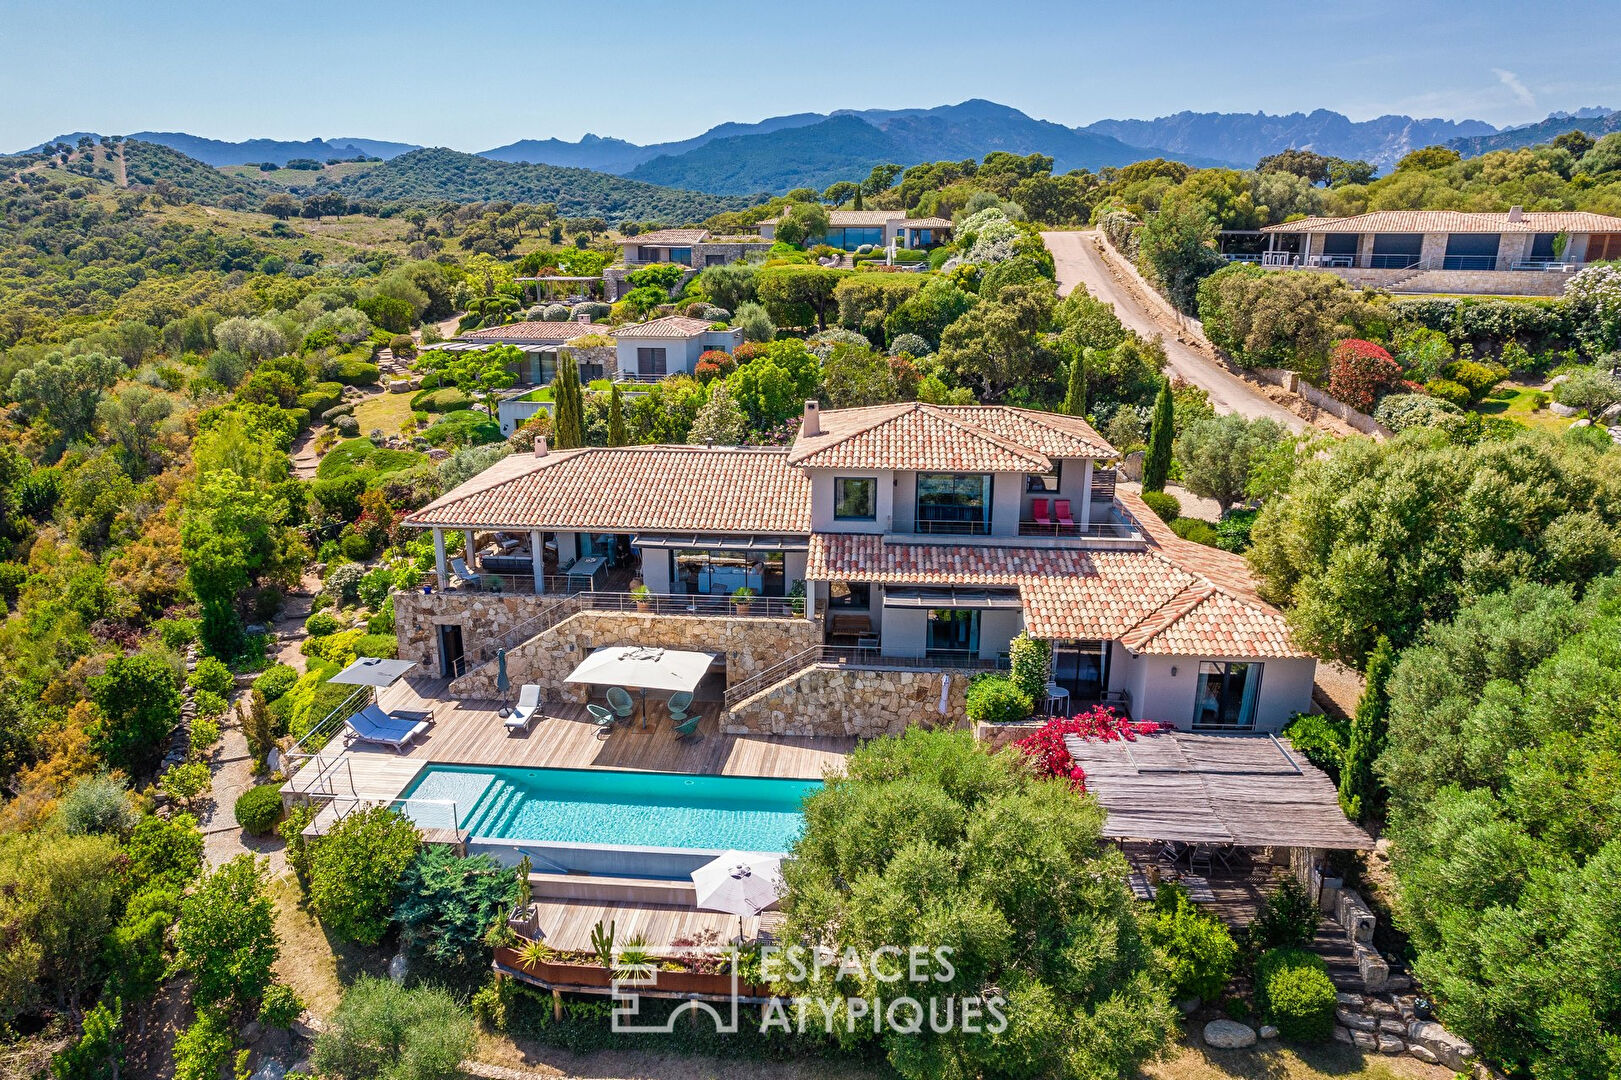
<point x="1157" y="462"/>
<point x="568" y="412"/>
<point x="1359" y="790"/>
<point x="616" y="418"/>
<point x="1075" y="398"/>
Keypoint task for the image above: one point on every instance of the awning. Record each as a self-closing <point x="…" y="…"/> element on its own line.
<point x="712" y="542"/>
<point x="643" y="668"/>
<point x="373" y="671"/>
<point x="985" y="599"/>
<point x="1250" y="790"/>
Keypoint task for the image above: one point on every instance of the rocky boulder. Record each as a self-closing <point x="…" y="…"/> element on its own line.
<point x="1228" y="1035"/>
<point x="1449" y="1050"/>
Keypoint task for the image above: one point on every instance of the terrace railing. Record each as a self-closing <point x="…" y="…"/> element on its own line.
<point x="309" y="747"/>
<point x="844" y="656"/>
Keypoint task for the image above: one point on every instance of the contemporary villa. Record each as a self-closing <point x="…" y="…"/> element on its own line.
<point x="691" y="248"/>
<point x="850" y="229"/>
<point x="746" y="615"/>
<point x="671" y="345"/>
<point x="894" y="546"/>
<point x="1517" y="252"/>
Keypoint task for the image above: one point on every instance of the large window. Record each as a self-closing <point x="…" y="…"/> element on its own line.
<point x="681" y="255"/>
<point x="718" y="572"/>
<point x="952" y="632"/>
<point x="1082" y="668"/>
<point x="1471" y="251"/>
<point x="1226" y="695"/>
<point x="849" y="594"/>
<point x="1042" y="483"/>
<point x="855" y="498"/>
<point x="849" y="238"/>
<point x="954" y="503"/>
<point x="1396" y="251"/>
<point x="650" y="361"/>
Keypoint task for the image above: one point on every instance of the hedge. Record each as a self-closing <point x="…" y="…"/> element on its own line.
<point x="993" y="699"/>
<point x="258" y="809"/>
<point x="356" y="372"/>
<point x="463" y="428"/>
<point x="1294" y="993"/>
<point x="323" y="397"/>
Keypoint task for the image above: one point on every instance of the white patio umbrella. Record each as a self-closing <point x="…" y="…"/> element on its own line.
<point x="643" y="668"/>
<point x="739" y="883"/>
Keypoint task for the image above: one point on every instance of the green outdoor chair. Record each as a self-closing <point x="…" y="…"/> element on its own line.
<point x="679" y="702"/>
<point x="621" y="700"/>
<point x="690" y="727"/>
<point x="603" y="718"/>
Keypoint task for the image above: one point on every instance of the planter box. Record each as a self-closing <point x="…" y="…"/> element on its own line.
<point x="996" y="736"/>
<point x="594" y="977"/>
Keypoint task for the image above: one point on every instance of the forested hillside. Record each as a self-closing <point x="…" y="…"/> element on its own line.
<point x="440" y="174"/>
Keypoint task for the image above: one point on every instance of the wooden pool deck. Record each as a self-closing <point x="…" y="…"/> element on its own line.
<point x="562" y="736"/>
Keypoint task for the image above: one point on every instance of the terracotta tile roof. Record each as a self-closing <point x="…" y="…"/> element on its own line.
<point x="668" y="238"/>
<point x="631" y="489"/>
<point x="1146" y="599"/>
<point x="966" y="438"/>
<point x="1452" y="221"/>
<point x="926" y="223"/>
<point x="531" y="331"/>
<point x="670" y="326"/>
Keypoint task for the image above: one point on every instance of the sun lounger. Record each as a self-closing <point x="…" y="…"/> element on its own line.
<point x="459" y="570"/>
<point x="373" y="725"/>
<point x="528" y="707"/>
<point x="1038" y="511"/>
<point x="1061" y="512"/>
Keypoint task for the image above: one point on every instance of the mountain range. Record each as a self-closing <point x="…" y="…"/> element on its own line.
<point x="816" y="149"/>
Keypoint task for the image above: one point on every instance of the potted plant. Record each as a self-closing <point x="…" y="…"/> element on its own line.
<point x="744" y="599"/>
<point x="643" y="596"/>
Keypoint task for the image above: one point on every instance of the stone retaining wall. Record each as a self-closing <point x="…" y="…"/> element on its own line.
<point x="482" y="617"/>
<point x="749" y="645"/>
<point x="829" y="699"/>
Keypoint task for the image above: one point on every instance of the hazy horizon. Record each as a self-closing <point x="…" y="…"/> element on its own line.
<point x="417" y="73"/>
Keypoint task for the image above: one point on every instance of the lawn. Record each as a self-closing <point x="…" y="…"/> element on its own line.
<point x="386" y="412"/>
<point x="358" y="457"/>
<point x="1519" y="404"/>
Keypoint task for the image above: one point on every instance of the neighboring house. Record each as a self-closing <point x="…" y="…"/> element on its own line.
<point x="922" y="539"/>
<point x="1446" y="250"/>
<point x="668" y="346"/>
<point x="851" y="229"/>
<point x="692" y="248"/>
<point x="541" y="343"/>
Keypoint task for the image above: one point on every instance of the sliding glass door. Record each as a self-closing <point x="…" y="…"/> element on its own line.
<point x="1226" y="695"/>
<point x="954" y="503"/>
<point x="952" y="632"/>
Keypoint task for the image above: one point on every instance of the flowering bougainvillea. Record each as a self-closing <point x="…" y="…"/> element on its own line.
<point x="1045" y="747"/>
<point x="1362" y="372"/>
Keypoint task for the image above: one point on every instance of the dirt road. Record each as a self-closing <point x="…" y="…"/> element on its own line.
<point x="1078" y="262"/>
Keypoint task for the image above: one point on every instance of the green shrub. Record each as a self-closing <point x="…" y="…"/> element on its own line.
<point x="1233" y="530"/>
<point x="203" y="1049"/>
<point x="209" y="703"/>
<point x="319" y="624"/>
<point x="1448" y="391"/>
<point x="1287" y="920"/>
<point x="97" y="804"/>
<point x="464" y="428"/>
<point x="1477" y="379"/>
<point x="1195" y="950"/>
<point x="211" y="674"/>
<point x="176" y="633"/>
<point x="1321" y="738"/>
<point x="994" y="699"/>
<point x="1200" y="532"/>
<point x="343" y="581"/>
<point x="258" y="809"/>
<point x="1030" y="661"/>
<point x="280" y="1006"/>
<point x="205" y="732"/>
<point x="1294" y="993"/>
<point x="386" y="645"/>
<point x="440" y="399"/>
<point x="1236" y="1008"/>
<point x="355" y="872"/>
<point x="1166" y="507"/>
<point x="276" y="680"/>
<point x="355" y="372"/>
<point x="322" y="397"/>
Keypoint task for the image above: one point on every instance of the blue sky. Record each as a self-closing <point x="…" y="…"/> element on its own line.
<point x="477" y="75"/>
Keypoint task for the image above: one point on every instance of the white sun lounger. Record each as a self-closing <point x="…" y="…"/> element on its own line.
<point x="373" y="725"/>
<point x="527" y="709"/>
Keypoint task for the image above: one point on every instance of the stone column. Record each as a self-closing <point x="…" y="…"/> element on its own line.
<point x="439" y="558"/>
<point x="467" y="549"/>
<point x="537" y="559"/>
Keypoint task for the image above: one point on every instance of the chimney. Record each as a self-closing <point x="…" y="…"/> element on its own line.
<point x="813" y="419"/>
<point x="540" y="446"/>
<point x="583" y="317"/>
<point x="1516" y="213"/>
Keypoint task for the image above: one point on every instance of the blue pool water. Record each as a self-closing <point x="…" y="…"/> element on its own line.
<point x="602" y="806"/>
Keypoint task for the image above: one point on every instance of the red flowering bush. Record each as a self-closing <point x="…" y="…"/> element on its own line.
<point x="723" y="361"/>
<point x="1052" y="758"/>
<point x="706" y="370"/>
<point x="747" y="351"/>
<point x="1361" y="372"/>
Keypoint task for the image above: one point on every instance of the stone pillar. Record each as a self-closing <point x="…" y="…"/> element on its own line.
<point x="537" y="558"/>
<point x="439" y="559"/>
<point x="1086" y="495"/>
<point x="467" y="549"/>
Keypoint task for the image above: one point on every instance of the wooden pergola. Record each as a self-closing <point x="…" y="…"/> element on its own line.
<point x="1246" y="790"/>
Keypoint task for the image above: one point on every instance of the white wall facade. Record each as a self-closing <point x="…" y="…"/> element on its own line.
<point x="1157" y="694"/>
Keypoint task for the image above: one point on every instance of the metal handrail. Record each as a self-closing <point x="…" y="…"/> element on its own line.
<point x="1101" y="530"/>
<point x="300" y="752"/>
<point x="842" y="656"/>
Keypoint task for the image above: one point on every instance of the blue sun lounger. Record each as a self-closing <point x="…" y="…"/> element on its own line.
<point x="373" y="725"/>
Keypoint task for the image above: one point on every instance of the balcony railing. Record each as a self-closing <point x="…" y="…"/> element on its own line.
<point x="925" y="527"/>
<point x="1096" y="530"/>
<point x="844" y="656"/>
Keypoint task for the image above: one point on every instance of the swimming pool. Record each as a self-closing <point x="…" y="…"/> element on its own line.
<point x="591" y="807"/>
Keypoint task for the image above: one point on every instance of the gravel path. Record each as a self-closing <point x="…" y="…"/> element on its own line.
<point x="232" y="765"/>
